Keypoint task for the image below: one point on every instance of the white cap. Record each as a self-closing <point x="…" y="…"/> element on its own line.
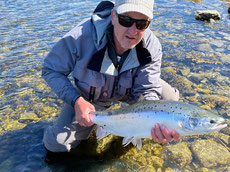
<point x="142" y="6"/>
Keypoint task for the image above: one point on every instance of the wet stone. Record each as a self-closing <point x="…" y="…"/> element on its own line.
<point x="169" y="70"/>
<point x="217" y="43"/>
<point x="227" y="38"/>
<point x="11" y="124"/>
<point x="197" y="1"/>
<point x="204" y="170"/>
<point x="197" y="77"/>
<point x="189" y="94"/>
<point x="215" y="100"/>
<point x="200" y="34"/>
<point x="28" y="117"/>
<point x="228" y="48"/>
<point x="177" y="155"/>
<point x="209" y="153"/>
<point x="185" y="71"/>
<point x="205" y="47"/>
<point x="224" y="138"/>
<point x="6" y="165"/>
<point x="226" y="58"/>
<point x="220" y="49"/>
<point x="207" y="15"/>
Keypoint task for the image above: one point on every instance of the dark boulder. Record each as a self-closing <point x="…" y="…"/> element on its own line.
<point x="207" y="15"/>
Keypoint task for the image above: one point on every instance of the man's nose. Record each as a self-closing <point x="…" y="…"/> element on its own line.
<point x="133" y="29"/>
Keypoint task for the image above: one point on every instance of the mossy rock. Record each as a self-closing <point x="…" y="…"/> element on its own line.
<point x="177" y="155"/>
<point x="11" y="124"/>
<point x="209" y="153"/>
<point x="215" y="100"/>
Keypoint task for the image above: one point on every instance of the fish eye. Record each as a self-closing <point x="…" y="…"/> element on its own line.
<point x="212" y="121"/>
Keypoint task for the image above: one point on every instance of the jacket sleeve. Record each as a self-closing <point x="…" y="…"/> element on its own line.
<point x="58" y="64"/>
<point x="147" y="78"/>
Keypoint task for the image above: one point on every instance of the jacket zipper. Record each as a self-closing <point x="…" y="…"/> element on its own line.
<point x="116" y="79"/>
<point x="114" y="86"/>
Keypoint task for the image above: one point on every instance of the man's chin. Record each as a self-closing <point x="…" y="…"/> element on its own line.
<point x="130" y="46"/>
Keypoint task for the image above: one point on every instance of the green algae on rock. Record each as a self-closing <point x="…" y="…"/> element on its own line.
<point x="209" y="153"/>
<point x="177" y="155"/>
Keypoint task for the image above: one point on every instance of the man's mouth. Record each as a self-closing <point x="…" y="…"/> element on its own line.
<point x="131" y="38"/>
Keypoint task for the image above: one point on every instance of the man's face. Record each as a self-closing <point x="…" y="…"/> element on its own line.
<point x="126" y="37"/>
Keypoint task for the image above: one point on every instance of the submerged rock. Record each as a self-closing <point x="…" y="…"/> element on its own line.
<point x="197" y="1"/>
<point x="209" y="153"/>
<point x="185" y="71"/>
<point x="205" y="47"/>
<point x="217" y="43"/>
<point x="207" y="15"/>
<point x="225" y="58"/>
<point x="177" y="155"/>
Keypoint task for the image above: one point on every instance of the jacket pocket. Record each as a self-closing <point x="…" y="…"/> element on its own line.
<point x="86" y="79"/>
<point x="125" y="83"/>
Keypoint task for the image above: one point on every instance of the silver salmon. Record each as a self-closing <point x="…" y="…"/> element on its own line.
<point x="135" y="121"/>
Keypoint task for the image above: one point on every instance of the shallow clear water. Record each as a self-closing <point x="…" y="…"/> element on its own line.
<point x="29" y="29"/>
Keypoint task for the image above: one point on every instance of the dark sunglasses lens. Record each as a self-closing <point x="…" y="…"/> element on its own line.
<point x="141" y="25"/>
<point x="128" y="22"/>
<point x="125" y="21"/>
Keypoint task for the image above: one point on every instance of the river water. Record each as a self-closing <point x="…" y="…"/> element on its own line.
<point x="196" y="60"/>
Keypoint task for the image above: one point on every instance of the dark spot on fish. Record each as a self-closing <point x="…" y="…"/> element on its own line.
<point x="181" y="108"/>
<point x="104" y="125"/>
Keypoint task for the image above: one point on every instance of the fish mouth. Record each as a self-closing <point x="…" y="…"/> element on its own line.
<point x="220" y="125"/>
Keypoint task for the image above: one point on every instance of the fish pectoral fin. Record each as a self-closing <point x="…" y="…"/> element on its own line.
<point x="137" y="142"/>
<point x="127" y="140"/>
<point x="101" y="133"/>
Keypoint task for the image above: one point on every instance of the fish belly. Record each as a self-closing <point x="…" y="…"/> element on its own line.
<point x="135" y="124"/>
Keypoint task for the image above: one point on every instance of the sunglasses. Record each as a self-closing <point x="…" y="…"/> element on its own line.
<point x="128" y="22"/>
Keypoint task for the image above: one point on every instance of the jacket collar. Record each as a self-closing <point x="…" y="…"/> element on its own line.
<point x="101" y="62"/>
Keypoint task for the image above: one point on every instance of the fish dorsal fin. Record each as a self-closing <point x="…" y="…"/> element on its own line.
<point x="101" y="133"/>
<point x="135" y="141"/>
<point x="141" y="97"/>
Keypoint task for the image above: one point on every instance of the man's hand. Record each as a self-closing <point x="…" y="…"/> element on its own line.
<point x="161" y="134"/>
<point x="82" y="112"/>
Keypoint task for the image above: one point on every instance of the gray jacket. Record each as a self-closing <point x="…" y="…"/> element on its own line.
<point x="83" y="52"/>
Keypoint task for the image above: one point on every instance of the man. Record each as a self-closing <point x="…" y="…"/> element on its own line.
<point x="112" y="56"/>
